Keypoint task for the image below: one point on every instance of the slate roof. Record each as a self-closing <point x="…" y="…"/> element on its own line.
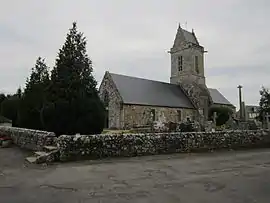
<point x="190" y="37"/>
<point x="217" y="97"/>
<point x="141" y="91"/>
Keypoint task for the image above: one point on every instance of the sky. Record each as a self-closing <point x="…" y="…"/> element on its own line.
<point x="133" y="38"/>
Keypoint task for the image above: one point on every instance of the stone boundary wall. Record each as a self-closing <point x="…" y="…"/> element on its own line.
<point x="127" y="145"/>
<point x="29" y="139"/>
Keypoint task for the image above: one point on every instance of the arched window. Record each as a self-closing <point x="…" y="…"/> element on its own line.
<point x="180" y="63"/>
<point x="106" y="99"/>
<point x="197" y="64"/>
<point x="179" y="115"/>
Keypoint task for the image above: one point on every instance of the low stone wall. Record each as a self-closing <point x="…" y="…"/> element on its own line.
<point x="29" y="139"/>
<point x="125" y="145"/>
<point x="6" y="124"/>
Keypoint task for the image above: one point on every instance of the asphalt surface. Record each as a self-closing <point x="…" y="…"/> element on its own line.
<point x="220" y="177"/>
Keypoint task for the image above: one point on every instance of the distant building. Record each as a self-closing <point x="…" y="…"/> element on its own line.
<point x="251" y="112"/>
<point x="133" y="102"/>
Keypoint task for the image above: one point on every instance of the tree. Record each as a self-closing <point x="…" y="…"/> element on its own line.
<point x="33" y="99"/>
<point x="264" y="103"/>
<point x="2" y="98"/>
<point x="19" y="92"/>
<point x="223" y="114"/>
<point x="73" y="104"/>
<point x="9" y="108"/>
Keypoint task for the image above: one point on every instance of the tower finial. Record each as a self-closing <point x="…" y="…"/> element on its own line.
<point x="179" y="26"/>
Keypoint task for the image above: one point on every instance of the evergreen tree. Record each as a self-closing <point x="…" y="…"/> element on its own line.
<point x="19" y="92"/>
<point x="73" y="103"/>
<point x="34" y="96"/>
<point x="264" y="103"/>
<point x="9" y="108"/>
<point x="2" y="98"/>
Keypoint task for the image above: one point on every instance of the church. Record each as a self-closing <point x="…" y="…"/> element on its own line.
<point x="138" y="102"/>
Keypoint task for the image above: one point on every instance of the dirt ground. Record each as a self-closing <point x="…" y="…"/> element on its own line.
<point x="223" y="177"/>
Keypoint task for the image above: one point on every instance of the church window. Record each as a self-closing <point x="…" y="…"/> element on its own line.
<point x="179" y="115"/>
<point x="106" y="99"/>
<point x="153" y="114"/>
<point x="197" y="64"/>
<point x="180" y="63"/>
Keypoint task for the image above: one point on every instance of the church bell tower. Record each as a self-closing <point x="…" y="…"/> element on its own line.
<point x="187" y="58"/>
<point x="187" y="70"/>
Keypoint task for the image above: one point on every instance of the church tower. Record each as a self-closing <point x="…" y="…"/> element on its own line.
<point x="187" y="58"/>
<point x="187" y="70"/>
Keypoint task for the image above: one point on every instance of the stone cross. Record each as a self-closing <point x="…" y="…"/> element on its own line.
<point x="215" y="118"/>
<point x="267" y="116"/>
<point x="240" y="101"/>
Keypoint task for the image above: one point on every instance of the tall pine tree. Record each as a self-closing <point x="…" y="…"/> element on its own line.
<point x="73" y="103"/>
<point x="34" y="96"/>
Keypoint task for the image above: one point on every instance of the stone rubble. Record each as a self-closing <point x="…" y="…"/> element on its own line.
<point x="49" y="155"/>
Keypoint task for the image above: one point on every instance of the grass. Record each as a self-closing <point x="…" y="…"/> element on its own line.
<point x="107" y="131"/>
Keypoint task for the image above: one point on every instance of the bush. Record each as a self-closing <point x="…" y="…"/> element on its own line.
<point x="186" y="127"/>
<point x="223" y="114"/>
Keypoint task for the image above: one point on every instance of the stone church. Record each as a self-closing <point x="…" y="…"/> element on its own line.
<point x="136" y="102"/>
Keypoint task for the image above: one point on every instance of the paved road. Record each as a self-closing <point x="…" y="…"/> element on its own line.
<point x="223" y="177"/>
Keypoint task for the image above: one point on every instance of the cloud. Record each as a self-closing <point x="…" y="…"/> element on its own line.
<point x="133" y="37"/>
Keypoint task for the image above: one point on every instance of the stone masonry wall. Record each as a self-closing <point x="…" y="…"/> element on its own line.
<point x="29" y="139"/>
<point x="127" y="145"/>
<point x="188" y="73"/>
<point x="137" y="115"/>
<point x="114" y="113"/>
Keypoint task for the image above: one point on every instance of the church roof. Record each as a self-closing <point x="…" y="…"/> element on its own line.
<point x="184" y="35"/>
<point x="217" y="97"/>
<point x="141" y="91"/>
<point x="190" y="37"/>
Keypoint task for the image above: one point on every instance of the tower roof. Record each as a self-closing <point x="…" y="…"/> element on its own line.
<point x="184" y="35"/>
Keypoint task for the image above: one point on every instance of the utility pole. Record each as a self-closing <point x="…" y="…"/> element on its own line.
<point x="240" y="101"/>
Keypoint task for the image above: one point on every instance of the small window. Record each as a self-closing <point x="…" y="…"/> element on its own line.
<point x="197" y="64"/>
<point x="180" y="63"/>
<point x="179" y="115"/>
<point x="106" y="99"/>
<point x="153" y="114"/>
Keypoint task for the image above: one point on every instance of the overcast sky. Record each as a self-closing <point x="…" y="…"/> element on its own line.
<point x="133" y="36"/>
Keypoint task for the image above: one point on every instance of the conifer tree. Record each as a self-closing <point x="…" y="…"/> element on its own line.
<point x="33" y="98"/>
<point x="73" y="103"/>
<point x="9" y="108"/>
<point x="2" y="98"/>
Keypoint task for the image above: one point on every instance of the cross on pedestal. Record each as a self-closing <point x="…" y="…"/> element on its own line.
<point x="240" y="101"/>
<point x="267" y="116"/>
<point x="215" y="118"/>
